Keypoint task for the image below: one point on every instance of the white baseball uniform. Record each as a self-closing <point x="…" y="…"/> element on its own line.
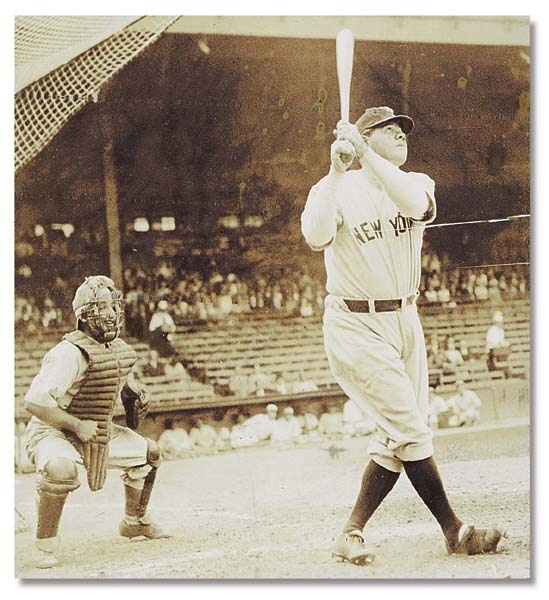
<point x="373" y="252"/>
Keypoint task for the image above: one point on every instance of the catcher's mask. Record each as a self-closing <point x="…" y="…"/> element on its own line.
<point x="99" y="305"/>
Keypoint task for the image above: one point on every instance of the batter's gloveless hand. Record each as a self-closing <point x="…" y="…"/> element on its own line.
<point x="348" y="131"/>
<point x="342" y="154"/>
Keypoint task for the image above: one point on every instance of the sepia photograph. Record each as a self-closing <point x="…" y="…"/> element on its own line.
<point x="272" y="297"/>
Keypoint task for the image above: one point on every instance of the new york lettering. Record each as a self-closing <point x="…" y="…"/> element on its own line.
<point x="368" y="231"/>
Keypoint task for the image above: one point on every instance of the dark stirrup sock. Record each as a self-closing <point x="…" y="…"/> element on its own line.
<point x="377" y="482"/>
<point x="424" y="476"/>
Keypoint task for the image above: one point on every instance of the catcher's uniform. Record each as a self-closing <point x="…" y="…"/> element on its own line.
<point x="372" y="333"/>
<point x="60" y="378"/>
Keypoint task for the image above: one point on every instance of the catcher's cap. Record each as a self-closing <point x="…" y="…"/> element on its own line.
<point x="272" y="408"/>
<point x="93" y="288"/>
<point x="381" y="115"/>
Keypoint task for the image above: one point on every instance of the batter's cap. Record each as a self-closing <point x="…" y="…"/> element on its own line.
<point x="88" y="290"/>
<point x="380" y="115"/>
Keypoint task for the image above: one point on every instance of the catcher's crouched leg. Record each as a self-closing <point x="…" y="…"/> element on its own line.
<point x="54" y="482"/>
<point x="138" y="485"/>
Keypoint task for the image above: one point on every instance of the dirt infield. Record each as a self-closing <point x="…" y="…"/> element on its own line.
<point x="267" y="513"/>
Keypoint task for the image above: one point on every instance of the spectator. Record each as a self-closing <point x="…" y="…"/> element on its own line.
<point x="502" y="283"/>
<point x="286" y="429"/>
<point x="464" y="349"/>
<point x="514" y="291"/>
<point x="303" y="385"/>
<point x="355" y="421"/>
<point x="494" y="292"/>
<point x="174" y="369"/>
<point x="225" y="301"/>
<point x="497" y="346"/>
<point x="306" y="308"/>
<point x="263" y="423"/>
<point x="259" y="382"/>
<point x="242" y="433"/>
<point x="439" y="412"/>
<point x="309" y="426"/>
<point x="452" y="357"/>
<point x="431" y="294"/>
<point x="331" y="423"/>
<point x="174" y="442"/>
<point x="465" y="404"/>
<point x="49" y="316"/>
<point x="281" y="385"/>
<point x="162" y="328"/>
<point x="443" y="294"/>
<point x="202" y="436"/>
<point x="239" y="382"/>
<point x="481" y="287"/>
<point x="223" y="440"/>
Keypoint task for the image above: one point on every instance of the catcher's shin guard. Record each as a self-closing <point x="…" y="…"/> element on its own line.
<point x="57" y="479"/>
<point x="137" y="500"/>
<point x="137" y="523"/>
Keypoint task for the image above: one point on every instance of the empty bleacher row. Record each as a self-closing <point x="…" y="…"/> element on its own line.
<point x="292" y="347"/>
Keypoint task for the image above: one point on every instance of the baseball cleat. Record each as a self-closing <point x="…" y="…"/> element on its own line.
<point x="42" y="555"/>
<point x="147" y="530"/>
<point x="349" y="547"/>
<point x="474" y="541"/>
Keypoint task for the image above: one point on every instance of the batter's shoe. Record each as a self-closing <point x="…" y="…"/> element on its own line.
<point x="474" y="541"/>
<point x="150" y="531"/>
<point x="349" y="547"/>
<point x="43" y="556"/>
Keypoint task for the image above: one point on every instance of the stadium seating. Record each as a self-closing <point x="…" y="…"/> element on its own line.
<point x="292" y="346"/>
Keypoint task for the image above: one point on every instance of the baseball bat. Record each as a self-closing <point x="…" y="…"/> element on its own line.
<point x="345" y="44"/>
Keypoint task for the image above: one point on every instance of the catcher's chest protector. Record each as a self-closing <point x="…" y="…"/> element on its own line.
<point x="108" y="368"/>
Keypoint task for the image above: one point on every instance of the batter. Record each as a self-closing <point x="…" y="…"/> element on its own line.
<point x="370" y="224"/>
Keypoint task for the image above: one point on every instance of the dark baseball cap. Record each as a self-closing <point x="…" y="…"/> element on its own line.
<point x="381" y="115"/>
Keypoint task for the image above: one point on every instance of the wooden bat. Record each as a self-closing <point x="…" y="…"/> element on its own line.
<point x="345" y="45"/>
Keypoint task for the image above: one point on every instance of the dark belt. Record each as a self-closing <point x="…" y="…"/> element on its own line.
<point x="363" y="306"/>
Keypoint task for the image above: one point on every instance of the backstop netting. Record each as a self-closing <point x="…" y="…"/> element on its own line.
<point x="62" y="62"/>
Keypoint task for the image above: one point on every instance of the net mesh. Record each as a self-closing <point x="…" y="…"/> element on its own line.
<point x="61" y="63"/>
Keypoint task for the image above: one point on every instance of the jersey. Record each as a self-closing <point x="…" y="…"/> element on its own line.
<point x="376" y="250"/>
<point x="373" y="251"/>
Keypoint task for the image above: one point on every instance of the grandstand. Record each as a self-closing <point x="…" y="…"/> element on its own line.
<point x="291" y="345"/>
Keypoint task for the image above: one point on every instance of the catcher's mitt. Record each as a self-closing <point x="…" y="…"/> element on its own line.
<point x="136" y="404"/>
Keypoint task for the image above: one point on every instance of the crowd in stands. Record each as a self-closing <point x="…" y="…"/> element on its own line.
<point x="194" y="297"/>
<point x="447" y="284"/>
<point x="265" y="428"/>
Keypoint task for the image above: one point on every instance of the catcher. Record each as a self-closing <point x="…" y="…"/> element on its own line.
<point x="72" y="401"/>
